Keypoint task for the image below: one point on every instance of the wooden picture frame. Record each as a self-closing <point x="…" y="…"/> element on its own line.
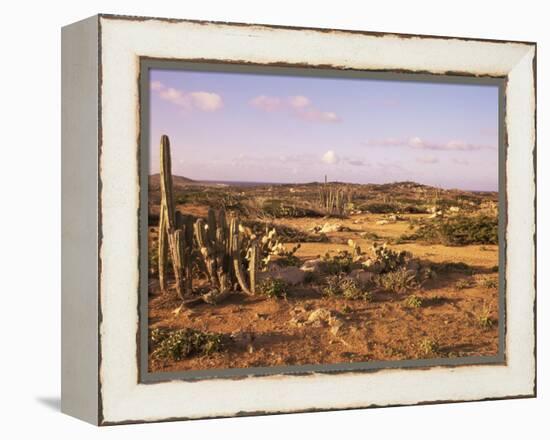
<point x="104" y="377"/>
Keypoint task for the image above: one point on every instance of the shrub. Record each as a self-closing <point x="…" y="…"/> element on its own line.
<point x="413" y="302"/>
<point x="331" y="286"/>
<point x="179" y="344"/>
<point x="348" y="288"/>
<point x="398" y="281"/>
<point x="310" y="277"/>
<point x="280" y="209"/>
<point x="453" y="267"/>
<point x="288" y="259"/>
<point x="429" y="347"/>
<point x="464" y="284"/>
<point x="459" y="231"/>
<point x="273" y="288"/>
<point x="490" y="283"/>
<point x="484" y="318"/>
<point x="388" y="260"/>
<point x="380" y="208"/>
<point x="342" y="262"/>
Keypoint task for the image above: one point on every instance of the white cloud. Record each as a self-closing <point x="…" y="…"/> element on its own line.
<point x="298" y="105"/>
<point x="207" y="101"/>
<point x="199" y="100"/>
<point x="330" y="157"/>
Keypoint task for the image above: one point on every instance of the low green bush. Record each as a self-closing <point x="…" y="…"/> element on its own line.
<point x="459" y="231"/>
<point x="179" y="344"/>
<point x="348" y="288"/>
<point x="273" y="288"/>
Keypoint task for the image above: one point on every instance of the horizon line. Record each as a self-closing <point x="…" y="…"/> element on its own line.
<point x="332" y="181"/>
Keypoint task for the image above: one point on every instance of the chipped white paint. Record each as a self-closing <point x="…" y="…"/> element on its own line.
<point x="123" y="41"/>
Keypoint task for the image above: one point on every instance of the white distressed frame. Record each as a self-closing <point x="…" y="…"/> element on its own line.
<point x="122" y="42"/>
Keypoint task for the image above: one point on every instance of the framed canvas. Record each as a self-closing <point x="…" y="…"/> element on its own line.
<point x="264" y="219"/>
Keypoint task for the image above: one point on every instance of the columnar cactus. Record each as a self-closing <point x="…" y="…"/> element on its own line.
<point x="333" y="200"/>
<point x="175" y="235"/>
<point x="223" y="248"/>
<point x="212" y="238"/>
<point x="166" y="217"/>
<point x="231" y="254"/>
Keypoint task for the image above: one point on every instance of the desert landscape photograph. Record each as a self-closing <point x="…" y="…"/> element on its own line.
<point x="317" y="220"/>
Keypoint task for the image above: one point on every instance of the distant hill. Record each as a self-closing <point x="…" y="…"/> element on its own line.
<point x="177" y="181"/>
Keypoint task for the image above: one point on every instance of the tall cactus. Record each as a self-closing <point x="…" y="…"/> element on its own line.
<point x="333" y="200"/>
<point x="166" y="217"/>
<point x="175" y="235"/>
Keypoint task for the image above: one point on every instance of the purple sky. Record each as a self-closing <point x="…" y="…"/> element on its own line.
<point x="268" y="128"/>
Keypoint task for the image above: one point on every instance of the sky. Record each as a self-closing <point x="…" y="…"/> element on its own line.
<point x="294" y="129"/>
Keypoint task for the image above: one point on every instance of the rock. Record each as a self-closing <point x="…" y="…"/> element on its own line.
<point x="328" y="227"/>
<point x="319" y="315"/>
<point x="291" y="275"/>
<point x="361" y="275"/>
<point x="312" y="266"/>
<point x="454" y="209"/>
<point x="382" y="222"/>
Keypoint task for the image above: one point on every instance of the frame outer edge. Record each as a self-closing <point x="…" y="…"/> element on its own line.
<point x="79" y="220"/>
<point x="108" y="422"/>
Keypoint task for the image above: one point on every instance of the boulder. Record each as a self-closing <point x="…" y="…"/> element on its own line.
<point x="361" y="275"/>
<point x="291" y="275"/>
<point x="331" y="227"/>
<point x="321" y="317"/>
<point x="312" y="266"/>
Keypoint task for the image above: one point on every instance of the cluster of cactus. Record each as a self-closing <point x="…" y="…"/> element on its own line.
<point x="175" y="235"/>
<point x="228" y="252"/>
<point x="334" y="201"/>
<point x="270" y="245"/>
<point x="386" y="260"/>
<point x="224" y="247"/>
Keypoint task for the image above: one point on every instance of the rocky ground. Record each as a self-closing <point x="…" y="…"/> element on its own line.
<point x="451" y="313"/>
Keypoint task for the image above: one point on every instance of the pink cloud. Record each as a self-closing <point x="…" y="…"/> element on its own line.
<point x="266" y="103"/>
<point x="198" y="100"/>
<point x="299" y="101"/>
<point x="299" y="106"/>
